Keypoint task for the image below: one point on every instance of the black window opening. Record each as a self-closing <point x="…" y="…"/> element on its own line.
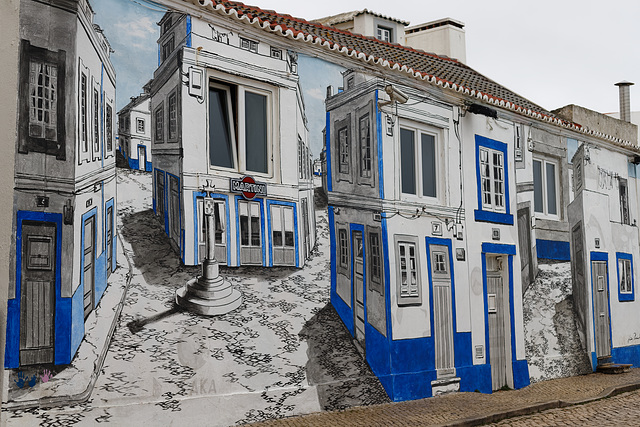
<point x="220" y="132"/>
<point x="256" y="132"/>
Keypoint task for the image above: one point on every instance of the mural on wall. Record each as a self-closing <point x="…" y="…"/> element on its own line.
<point x="173" y="249"/>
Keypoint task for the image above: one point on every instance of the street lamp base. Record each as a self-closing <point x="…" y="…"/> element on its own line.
<point x="209" y="296"/>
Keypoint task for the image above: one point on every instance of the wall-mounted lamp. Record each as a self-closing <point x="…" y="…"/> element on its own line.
<point x="67" y="213"/>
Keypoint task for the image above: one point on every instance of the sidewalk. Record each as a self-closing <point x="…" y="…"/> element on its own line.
<point x="466" y="409"/>
<point x="73" y="383"/>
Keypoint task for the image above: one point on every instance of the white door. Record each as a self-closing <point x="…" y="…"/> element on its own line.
<point x="442" y="311"/>
<point x="282" y="235"/>
<point x="142" y="158"/>
<point x="357" y="266"/>
<point x="601" y="309"/>
<point x="250" y="233"/>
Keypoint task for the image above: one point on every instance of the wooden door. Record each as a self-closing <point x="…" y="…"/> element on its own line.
<point x="357" y="266"/>
<point x="109" y="240"/>
<point x="497" y="332"/>
<point x="442" y="311"/>
<point x="37" y="299"/>
<point x="142" y="158"/>
<point x="601" y="309"/>
<point x="89" y="265"/>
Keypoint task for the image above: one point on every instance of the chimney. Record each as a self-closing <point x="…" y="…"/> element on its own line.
<point x="625" y="107"/>
<point x="442" y="37"/>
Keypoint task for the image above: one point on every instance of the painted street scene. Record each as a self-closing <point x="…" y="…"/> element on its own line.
<point x="226" y="215"/>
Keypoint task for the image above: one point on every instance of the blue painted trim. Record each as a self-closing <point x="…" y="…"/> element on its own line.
<point x="148" y="167"/>
<point x="600" y="256"/>
<point x="628" y="354"/>
<point x="387" y="274"/>
<point x="498" y="248"/>
<point x="159" y="54"/>
<point x="219" y="196"/>
<point x="552" y="249"/>
<point x="485" y="215"/>
<point x="62" y="327"/>
<point x="327" y="146"/>
<point x="188" y="30"/>
<point x="380" y="149"/>
<point x="262" y="230"/>
<point x="295" y="228"/>
<point x="625" y="297"/>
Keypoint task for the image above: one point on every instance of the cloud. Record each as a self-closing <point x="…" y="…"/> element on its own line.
<point x="143" y="28"/>
<point x="316" y="93"/>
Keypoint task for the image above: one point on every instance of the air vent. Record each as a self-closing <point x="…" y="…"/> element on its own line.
<point x="479" y="352"/>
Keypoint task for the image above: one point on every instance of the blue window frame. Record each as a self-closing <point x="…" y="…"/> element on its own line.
<point x="492" y="176"/>
<point x="626" y="285"/>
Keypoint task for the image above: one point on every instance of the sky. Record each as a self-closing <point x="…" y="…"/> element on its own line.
<point x="554" y="53"/>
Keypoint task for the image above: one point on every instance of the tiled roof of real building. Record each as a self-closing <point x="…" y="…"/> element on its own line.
<point x="439" y="70"/>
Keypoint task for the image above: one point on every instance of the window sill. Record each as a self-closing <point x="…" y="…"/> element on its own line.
<point x="626" y="297"/>
<point x="495" y="217"/>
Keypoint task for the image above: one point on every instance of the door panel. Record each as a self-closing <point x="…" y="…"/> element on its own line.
<point x="142" y="158"/>
<point x="601" y="308"/>
<point x="89" y="266"/>
<point x="442" y="310"/>
<point x="109" y="240"/>
<point x="37" y="299"/>
<point x="524" y="240"/>
<point x="497" y="333"/>
<point x="357" y="250"/>
<point x="250" y="233"/>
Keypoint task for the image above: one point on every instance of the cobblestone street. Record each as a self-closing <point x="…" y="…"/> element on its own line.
<point x="283" y="352"/>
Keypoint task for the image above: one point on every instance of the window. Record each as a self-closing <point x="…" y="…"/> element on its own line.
<point x="343" y="251"/>
<point x="408" y="274"/>
<point x="159" y="128"/>
<point x="343" y="144"/>
<point x="42" y="101"/>
<point x="439" y="262"/>
<point x="365" y="146"/>
<point x="276" y="53"/>
<point x="425" y="150"/>
<point x="109" y="126"/>
<point x="492" y="175"/>
<point x="624" y="202"/>
<point x="625" y="276"/>
<point x="249" y="45"/>
<point x="545" y="197"/>
<point x="518" y="153"/>
<point x="375" y="261"/>
<point x="250" y="232"/>
<point x="173" y="116"/>
<point x="140" y="125"/>
<point x="83" y="113"/>
<point x="166" y="24"/>
<point x="254" y="119"/>
<point x="282" y="235"/>
<point x="96" y="124"/>
<point x="385" y="34"/>
<point x="167" y="48"/>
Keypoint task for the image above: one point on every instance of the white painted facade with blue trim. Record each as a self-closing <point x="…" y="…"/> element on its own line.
<point x="65" y="188"/>
<point x="134" y="132"/>
<point x="224" y="105"/>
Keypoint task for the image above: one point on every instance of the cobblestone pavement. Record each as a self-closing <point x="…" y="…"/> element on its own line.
<point x="469" y="408"/>
<point x="283" y="352"/>
<point x="616" y="411"/>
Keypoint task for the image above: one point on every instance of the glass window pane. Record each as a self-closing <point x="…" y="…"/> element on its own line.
<point x="407" y="161"/>
<point x="551" y="189"/>
<point x="256" y="132"/>
<point x="428" y="165"/>
<point x="220" y="149"/>
<point x="255" y="231"/>
<point x="537" y="186"/>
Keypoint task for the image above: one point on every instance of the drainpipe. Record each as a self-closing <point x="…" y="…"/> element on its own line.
<point x="625" y="107"/>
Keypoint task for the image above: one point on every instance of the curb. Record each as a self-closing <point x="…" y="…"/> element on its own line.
<point x="83" y="396"/>
<point x="539" y="407"/>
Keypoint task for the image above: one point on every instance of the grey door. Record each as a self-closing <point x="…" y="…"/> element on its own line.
<point x="282" y="235"/>
<point x="109" y="240"/>
<point x="601" y="308"/>
<point x="37" y="299"/>
<point x="497" y="332"/>
<point x="174" y="212"/>
<point x="305" y="227"/>
<point x="142" y="158"/>
<point x="358" y="287"/>
<point x="524" y="241"/>
<point x="89" y="265"/>
<point x="442" y="310"/>
<point x="220" y="236"/>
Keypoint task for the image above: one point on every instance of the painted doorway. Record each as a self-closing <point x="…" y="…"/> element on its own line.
<point x="524" y="242"/>
<point x="498" y="315"/>
<point x="220" y="232"/>
<point x="358" y="286"/>
<point x="174" y="209"/>
<point x="109" y="240"/>
<point x="250" y="233"/>
<point x="37" y="299"/>
<point x="305" y="227"/>
<point x="282" y="235"/>
<point x="142" y="158"/>
<point x="89" y="265"/>
<point x="442" y="311"/>
<point x="601" y="308"/>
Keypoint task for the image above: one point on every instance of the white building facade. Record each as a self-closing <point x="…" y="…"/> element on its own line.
<point x="227" y="112"/>
<point x="134" y="132"/>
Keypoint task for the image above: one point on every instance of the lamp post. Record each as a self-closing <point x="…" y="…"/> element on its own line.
<point x="209" y="294"/>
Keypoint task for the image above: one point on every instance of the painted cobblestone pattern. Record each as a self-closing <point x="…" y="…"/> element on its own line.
<point x="283" y="352"/>
<point x="552" y="342"/>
